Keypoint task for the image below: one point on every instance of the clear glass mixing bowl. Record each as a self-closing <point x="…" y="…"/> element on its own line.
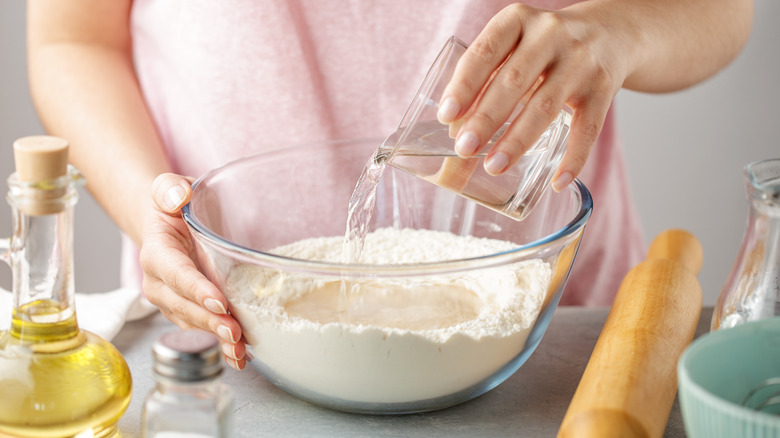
<point x="241" y="212"/>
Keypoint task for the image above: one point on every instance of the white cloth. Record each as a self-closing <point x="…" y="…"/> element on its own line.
<point x="103" y="314"/>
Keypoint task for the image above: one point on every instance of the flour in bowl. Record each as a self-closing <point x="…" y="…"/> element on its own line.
<point x="388" y="340"/>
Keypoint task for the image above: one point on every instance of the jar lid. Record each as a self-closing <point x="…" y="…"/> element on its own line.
<point x="187" y="356"/>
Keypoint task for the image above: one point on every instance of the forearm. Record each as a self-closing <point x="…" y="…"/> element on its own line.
<point x="88" y="94"/>
<point x="674" y="43"/>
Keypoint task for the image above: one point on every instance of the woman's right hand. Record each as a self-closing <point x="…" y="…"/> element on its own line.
<point x="172" y="278"/>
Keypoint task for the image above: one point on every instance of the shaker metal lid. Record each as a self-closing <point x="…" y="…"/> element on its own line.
<point x="187" y="355"/>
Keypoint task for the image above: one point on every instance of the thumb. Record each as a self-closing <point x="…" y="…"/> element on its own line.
<point x="171" y="192"/>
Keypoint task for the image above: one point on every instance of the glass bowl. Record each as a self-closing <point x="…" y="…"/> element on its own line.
<point x="464" y="293"/>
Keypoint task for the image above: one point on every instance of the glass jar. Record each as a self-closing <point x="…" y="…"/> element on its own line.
<point x="751" y="290"/>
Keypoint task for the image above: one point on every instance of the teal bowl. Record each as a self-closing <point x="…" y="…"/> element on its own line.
<point x="719" y="374"/>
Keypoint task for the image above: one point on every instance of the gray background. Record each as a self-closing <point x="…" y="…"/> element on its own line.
<point x="685" y="152"/>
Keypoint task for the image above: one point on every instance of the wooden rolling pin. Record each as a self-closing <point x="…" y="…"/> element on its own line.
<point x="630" y="382"/>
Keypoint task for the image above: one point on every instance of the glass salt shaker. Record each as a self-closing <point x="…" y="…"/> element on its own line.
<point x="752" y="290"/>
<point x="190" y="399"/>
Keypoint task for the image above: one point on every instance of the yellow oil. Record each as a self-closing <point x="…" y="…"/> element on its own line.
<point x="57" y="380"/>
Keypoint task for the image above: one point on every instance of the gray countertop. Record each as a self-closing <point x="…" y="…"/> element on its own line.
<point x="531" y="403"/>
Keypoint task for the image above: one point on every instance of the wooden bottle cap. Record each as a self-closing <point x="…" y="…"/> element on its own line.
<point x="40" y="158"/>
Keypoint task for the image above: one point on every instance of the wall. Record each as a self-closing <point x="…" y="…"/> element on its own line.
<point x="685" y="152"/>
<point x="96" y="237"/>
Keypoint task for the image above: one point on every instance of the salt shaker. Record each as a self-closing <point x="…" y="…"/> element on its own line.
<point x="190" y="399"/>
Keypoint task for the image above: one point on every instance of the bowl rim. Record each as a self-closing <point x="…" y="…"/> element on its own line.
<point x="688" y="384"/>
<point x="568" y="232"/>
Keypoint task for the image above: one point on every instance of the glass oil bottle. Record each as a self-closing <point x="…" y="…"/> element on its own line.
<point x="56" y="380"/>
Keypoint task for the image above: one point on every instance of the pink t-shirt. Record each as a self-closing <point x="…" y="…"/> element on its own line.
<point x="224" y="79"/>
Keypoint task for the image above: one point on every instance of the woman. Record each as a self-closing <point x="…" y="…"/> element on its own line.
<point x="152" y="93"/>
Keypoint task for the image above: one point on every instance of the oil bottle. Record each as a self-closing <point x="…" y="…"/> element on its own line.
<point x="56" y="380"/>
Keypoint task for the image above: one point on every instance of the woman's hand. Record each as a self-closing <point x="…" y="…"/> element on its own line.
<point x="546" y="59"/>
<point x="172" y="279"/>
<point x="581" y="56"/>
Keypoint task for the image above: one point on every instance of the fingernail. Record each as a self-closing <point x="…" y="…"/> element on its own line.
<point x="233" y="363"/>
<point x="174" y="197"/>
<point x="467" y="144"/>
<point x="562" y="181"/>
<point x="496" y="163"/>
<point x="448" y="110"/>
<point x="229" y="350"/>
<point x="214" y="306"/>
<point x="225" y="333"/>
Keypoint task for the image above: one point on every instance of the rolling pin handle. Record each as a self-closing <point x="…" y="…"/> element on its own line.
<point x="680" y="246"/>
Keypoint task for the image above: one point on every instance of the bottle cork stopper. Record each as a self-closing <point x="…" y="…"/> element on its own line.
<point x="40" y="158"/>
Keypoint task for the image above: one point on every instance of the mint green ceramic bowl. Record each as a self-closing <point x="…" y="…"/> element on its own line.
<point x="717" y="373"/>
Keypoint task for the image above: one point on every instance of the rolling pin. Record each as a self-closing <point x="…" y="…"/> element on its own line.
<point x="630" y="382"/>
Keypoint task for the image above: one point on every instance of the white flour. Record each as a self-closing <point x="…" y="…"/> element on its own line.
<point x="395" y="340"/>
